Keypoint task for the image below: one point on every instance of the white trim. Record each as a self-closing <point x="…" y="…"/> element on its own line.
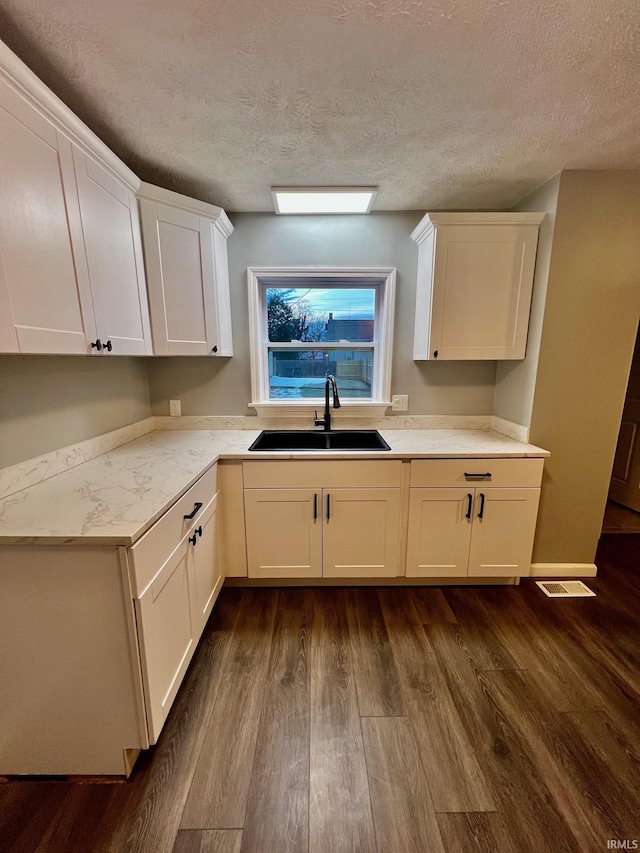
<point x="214" y="213"/>
<point x="563" y="570"/>
<point x="42" y="99"/>
<point x="382" y="346"/>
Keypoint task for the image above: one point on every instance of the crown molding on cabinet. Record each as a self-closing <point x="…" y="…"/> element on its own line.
<point x="430" y="220"/>
<point x="42" y="99"/>
<point x="191" y="205"/>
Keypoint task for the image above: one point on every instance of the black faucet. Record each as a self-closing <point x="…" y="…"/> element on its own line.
<point x="325" y="423"/>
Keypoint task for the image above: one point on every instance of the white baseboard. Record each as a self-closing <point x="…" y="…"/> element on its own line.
<point x="563" y="570"/>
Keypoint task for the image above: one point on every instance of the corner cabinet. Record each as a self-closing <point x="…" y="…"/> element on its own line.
<point x="475" y="279"/>
<point x="71" y="269"/>
<point x="185" y="248"/>
<point x="322" y="519"/>
<point x="111" y="632"/>
<point x="472" y="518"/>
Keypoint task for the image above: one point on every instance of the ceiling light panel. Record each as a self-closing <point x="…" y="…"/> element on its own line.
<point x="309" y="200"/>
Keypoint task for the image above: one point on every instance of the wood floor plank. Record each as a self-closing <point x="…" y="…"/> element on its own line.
<point x="554" y="662"/>
<point x="278" y="809"/>
<point x="491" y="648"/>
<point x="377" y="680"/>
<point x="479" y="832"/>
<point x="340" y="818"/>
<point x="208" y="841"/>
<point x="432" y="606"/>
<point x="540" y="736"/>
<point x="519" y="791"/>
<point x="330" y="625"/>
<point x="403" y="813"/>
<point x="218" y="800"/>
<point x="449" y="758"/>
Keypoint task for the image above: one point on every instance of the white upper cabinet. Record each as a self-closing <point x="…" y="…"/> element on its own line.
<point x="475" y="277"/>
<point x="71" y="268"/>
<point x="45" y="307"/>
<point x="185" y="248"/>
<point x="113" y="252"/>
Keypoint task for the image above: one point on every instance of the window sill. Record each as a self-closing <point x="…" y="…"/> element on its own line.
<point x="354" y="409"/>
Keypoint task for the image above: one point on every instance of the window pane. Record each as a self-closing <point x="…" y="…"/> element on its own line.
<point x="320" y="314"/>
<point x="300" y="374"/>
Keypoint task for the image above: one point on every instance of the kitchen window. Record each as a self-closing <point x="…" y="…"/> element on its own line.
<point x="308" y="323"/>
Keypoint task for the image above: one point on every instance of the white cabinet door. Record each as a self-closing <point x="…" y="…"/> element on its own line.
<point x="185" y="249"/>
<point x="44" y="306"/>
<point x="111" y="231"/>
<point x="439" y="536"/>
<point x="503" y="530"/>
<point x="205" y="578"/>
<point x="361" y="532"/>
<point x="166" y="635"/>
<point x="475" y="279"/>
<point x="284" y="533"/>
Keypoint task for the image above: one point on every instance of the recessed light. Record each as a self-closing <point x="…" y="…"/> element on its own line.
<point x="300" y="200"/>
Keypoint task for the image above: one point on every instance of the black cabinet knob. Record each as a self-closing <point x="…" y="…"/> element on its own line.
<point x="97" y="345"/>
<point x="108" y="346"/>
<point x="214" y="349"/>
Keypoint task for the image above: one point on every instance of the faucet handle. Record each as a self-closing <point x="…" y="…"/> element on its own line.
<point x="318" y="421"/>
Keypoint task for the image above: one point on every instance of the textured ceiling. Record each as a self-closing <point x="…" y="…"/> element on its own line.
<point x="445" y="104"/>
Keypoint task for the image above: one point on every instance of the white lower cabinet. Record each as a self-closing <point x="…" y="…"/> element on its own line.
<point x="479" y="531"/>
<point x="326" y="529"/>
<point x="177" y="585"/>
<point x="166" y="637"/>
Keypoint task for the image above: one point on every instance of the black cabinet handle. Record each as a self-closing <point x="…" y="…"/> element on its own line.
<point x="486" y="476"/>
<point x="194" y="539"/>
<point x="481" y="513"/>
<point x="328" y="507"/>
<point x="195" y="509"/>
<point x="108" y="346"/>
<point x="97" y="345"/>
<point x="470" y="504"/>
<point x="315" y="507"/>
<point x="214" y="349"/>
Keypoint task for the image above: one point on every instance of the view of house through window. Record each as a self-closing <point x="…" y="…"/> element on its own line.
<point x="316" y="331"/>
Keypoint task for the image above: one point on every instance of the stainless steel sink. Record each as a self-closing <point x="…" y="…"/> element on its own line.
<point x="300" y="439"/>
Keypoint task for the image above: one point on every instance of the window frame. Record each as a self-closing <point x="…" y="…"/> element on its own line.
<point x="259" y="279"/>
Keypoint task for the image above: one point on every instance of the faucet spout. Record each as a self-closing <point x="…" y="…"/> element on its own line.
<point x="325" y="423"/>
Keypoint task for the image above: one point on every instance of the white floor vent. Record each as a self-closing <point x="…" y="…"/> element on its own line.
<point x="565" y="589"/>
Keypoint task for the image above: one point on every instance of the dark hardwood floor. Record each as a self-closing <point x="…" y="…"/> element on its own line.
<point x="393" y="720"/>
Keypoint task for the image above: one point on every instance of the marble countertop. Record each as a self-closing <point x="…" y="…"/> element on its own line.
<point x="115" y="498"/>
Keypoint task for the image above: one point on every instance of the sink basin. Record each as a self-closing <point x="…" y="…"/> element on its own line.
<point x="302" y="439"/>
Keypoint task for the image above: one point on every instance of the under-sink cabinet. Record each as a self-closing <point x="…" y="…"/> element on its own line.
<point x="322" y="519"/>
<point x="472" y="518"/>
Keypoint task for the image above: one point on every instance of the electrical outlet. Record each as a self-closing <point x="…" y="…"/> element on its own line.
<point x="174" y="408"/>
<point x="400" y="402"/>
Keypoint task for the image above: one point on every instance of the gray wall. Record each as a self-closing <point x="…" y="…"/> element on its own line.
<point x="47" y="402"/>
<point x="590" y="322"/>
<point x="515" y="380"/>
<point x="208" y="386"/>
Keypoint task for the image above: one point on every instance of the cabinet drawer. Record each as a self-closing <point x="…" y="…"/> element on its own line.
<point x="325" y="473"/>
<point x="451" y="473"/>
<point x="151" y="552"/>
